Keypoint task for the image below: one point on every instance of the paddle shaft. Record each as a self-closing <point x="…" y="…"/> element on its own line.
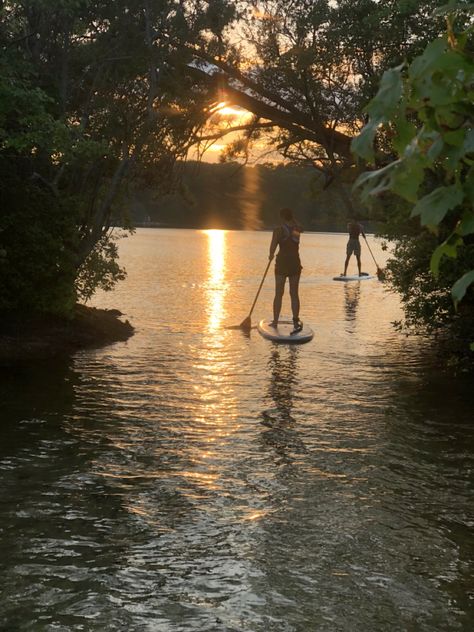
<point x="376" y="264"/>
<point x="259" y="288"/>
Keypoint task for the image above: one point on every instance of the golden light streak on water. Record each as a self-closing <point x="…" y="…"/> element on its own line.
<point x="216" y="280"/>
<point x="217" y="409"/>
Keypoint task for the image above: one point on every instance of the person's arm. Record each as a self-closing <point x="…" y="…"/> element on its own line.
<point x="362" y="230"/>
<point x="274" y="243"/>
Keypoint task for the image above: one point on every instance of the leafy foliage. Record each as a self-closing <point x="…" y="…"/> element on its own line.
<point x="426" y="110"/>
<point x="89" y="106"/>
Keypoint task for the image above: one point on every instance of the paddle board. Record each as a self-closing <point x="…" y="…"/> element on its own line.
<point x="282" y="333"/>
<point x="354" y="277"/>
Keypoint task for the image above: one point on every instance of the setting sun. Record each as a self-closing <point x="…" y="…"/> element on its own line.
<point x="234" y="114"/>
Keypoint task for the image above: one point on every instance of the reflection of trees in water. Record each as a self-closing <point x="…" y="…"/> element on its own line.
<point x="279" y="421"/>
<point x="46" y="466"/>
<point x="351" y="299"/>
<point x="422" y="460"/>
<point x="32" y="397"/>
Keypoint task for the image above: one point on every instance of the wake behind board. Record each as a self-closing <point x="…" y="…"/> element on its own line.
<point x="354" y="277"/>
<point x="282" y="333"/>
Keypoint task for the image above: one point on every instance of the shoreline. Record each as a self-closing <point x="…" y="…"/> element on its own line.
<point x="39" y="337"/>
<point x="266" y="229"/>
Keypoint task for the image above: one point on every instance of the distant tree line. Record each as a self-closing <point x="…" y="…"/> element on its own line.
<point x="248" y="197"/>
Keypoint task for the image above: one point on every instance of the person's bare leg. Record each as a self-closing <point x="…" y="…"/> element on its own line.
<point x="346" y="263"/>
<point x="279" y="291"/>
<point x="294" y="295"/>
<point x="359" y="264"/>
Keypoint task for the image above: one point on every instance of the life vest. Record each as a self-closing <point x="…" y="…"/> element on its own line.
<point x="290" y="233"/>
<point x="287" y="261"/>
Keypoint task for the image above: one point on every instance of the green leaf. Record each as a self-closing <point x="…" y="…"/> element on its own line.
<point x="460" y="287"/>
<point x="469" y="142"/>
<point x="428" y="59"/>
<point x="466" y="225"/>
<point x="448" y="248"/>
<point x="407" y="178"/>
<point x="362" y="145"/>
<point x="405" y="132"/>
<point x="436" y="148"/>
<point x="447" y="117"/>
<point x="384" y="104"/>
<point x="374" y="182"/>
<point x="451" y="63"/>
<point x="453" y="6"/>
<point x="455" y="137"/>
<point x="453" y="156"/>
<point x="433" y="207"/>
<point x="469" y="186"/>
<point x="437" y="93"/>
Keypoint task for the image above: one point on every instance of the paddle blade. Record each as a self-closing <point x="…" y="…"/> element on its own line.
<point x="246" y="324"/>
<point x="380" y="274"/>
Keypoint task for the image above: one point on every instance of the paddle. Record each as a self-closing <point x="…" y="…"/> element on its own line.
<point x="380" y="272"/>
<point x="247" y="322"/>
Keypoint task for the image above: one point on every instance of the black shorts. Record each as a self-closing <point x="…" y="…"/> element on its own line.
<point x="287" y="268"/>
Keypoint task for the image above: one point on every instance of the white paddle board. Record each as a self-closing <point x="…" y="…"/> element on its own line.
<point x="282" y="333"/>
<point x="354" y="277"/>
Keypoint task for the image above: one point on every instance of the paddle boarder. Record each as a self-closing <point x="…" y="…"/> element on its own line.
<point x="353" y="245"/>
<point x="287" y="265"/>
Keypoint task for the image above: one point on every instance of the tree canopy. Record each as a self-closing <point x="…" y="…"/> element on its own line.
<point x="306" y="69"/>
<point x="88" y="97"/>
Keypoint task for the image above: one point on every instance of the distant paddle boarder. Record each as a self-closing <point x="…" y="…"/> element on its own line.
<point x="353" y="245"/>
<point x="287" y="265"/>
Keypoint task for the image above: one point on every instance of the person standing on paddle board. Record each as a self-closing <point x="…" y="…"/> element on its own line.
<point x="287" y="265"/>
<point x="353" y="245"/>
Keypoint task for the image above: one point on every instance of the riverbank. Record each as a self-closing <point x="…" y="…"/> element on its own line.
<point x="39" y="336"/>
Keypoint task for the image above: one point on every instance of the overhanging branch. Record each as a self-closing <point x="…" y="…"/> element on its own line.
<point x="300" y="124"/>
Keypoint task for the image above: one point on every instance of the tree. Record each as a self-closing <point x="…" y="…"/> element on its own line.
<point x="426" y="109"/>
<point x="305" y="69"/>
<point x="89" y="102"/>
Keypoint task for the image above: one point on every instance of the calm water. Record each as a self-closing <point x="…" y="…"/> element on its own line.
<point x="194" y="478"/>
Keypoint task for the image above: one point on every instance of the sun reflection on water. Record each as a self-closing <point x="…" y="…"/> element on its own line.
<point x="217" y="287"/>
